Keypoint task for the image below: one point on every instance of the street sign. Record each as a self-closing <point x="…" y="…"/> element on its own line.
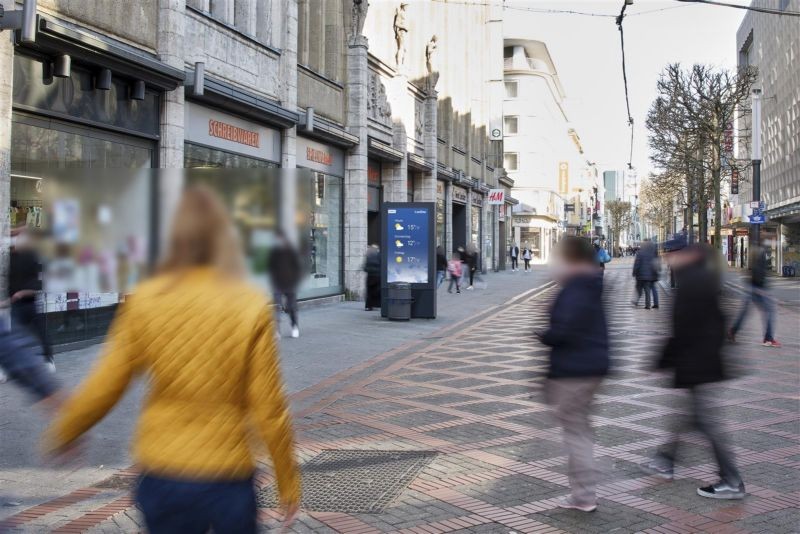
<point x="497" y="197"/>
<point x="762" y="205"/>
<point x="758" y="218"/>
<point x="569" y="207"/>
<point x="754" y="204"/>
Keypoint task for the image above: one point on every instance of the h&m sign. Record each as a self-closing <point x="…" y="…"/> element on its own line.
<point x="497" y="197"/>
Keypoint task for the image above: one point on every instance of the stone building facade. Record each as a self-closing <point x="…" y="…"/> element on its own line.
<point x="357" y="94"/>
<point x="772" y="45"/>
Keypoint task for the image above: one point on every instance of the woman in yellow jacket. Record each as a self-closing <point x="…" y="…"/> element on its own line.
<point x="205" y="339"/>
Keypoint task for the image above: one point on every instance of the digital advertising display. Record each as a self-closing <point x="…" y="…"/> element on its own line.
<point x="407" y="245"/>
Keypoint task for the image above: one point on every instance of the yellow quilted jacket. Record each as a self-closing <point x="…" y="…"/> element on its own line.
<point x="207" y="346"/>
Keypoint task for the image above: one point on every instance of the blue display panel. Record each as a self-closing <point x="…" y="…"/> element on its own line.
<point x="408" y="245"/>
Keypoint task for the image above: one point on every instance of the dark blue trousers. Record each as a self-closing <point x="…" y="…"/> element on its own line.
<point x="175" y="506"/>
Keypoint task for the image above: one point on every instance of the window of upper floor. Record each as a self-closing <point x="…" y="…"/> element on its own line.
<point x="511" y="161"/>
<point x="512" y="90"/>
<point x="510" y="125"/>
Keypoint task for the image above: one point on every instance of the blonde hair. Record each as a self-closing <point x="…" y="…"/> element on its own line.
<point x="203" y="235"/>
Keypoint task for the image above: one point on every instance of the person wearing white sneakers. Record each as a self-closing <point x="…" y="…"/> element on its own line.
<point x="285" y="272"/>
<point x="514" y="253"/>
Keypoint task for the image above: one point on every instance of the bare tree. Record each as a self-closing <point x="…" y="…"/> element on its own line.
<point x="687" y="124"/>
<point x="656" y="204"/>
<point x="619" y="215"/>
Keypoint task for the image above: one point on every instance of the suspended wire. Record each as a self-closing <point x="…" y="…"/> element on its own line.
<point x="747" y="8"/>
<point x="555" y="11"/>
<point x="619" y="20"/>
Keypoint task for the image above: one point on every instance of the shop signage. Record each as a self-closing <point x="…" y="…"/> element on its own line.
<point x="497" y="197"/>
<point x="734" y="182"/>
<point x="563" y="177"/>
<point x="319" y="157"/>
<point x="759" y="218"/>
<point x="569" y="207"/>
<point x="212" y="128"/>
<point x="374" y="172"/>
<point x="477" y="200"/>
<point x="742" y="232"/>
<point x="223" y="130"/>
<point x="459" y="195"/>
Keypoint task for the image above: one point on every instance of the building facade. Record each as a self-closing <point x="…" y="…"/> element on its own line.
<point x="544" y="156"/>
<point x="771" y="44"/>
<point x="358" y="95"/>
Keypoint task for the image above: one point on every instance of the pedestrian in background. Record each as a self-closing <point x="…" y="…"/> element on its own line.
<point x="454" y="267"/>
<point x="285" y="272"/>
<point x="646" y="268"/>
<point x="372" y="266"/>
<point x="514" y="253"/>
<point x="526" y="257"/>
<point x="24" y="287"/>
<point x="601" y="254"/>
<point x="441" y="266"/>
<point x="694" y="356"/>
<point x="472" y="265"/>
<point x="579" y="359"/>
<point x="757" y="294"/>
<point x="205" y="340"/>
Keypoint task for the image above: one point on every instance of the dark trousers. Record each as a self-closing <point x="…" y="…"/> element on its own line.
<point x="454" y="280"/>
<point x="649" y="287"/>
<point x="25" y="315"/>
<point x="527" y="264"/>
<point x="702" y="420"/>
<point x="760" y="298"/>
<point x="514" y="262"/>
<point x="171" y="506"/>
<point x="286" y="301"/>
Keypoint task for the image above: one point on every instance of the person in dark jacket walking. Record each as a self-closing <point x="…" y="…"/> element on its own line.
<point x="757" y="295"/>
<point x="579" y="360"/>
<point x="514" y="253"/>
<point x="24" y="283"/>
<point x="441" y="266"/>
<point x="372" y="266"/>
<point x="646" y="268"/>
<point x="694" y="355"/>
<point x="285" y="271"/>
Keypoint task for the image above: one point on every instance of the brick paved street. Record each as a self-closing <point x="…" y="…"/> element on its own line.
<point x="471" y="394"/>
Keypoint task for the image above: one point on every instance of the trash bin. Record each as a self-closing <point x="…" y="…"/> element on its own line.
<point x="399" y="301"/>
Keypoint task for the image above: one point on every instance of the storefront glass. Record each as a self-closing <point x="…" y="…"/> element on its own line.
<point x="321" y="199"/>
<point x="475" y="228"/>
<point x="98" y="223"/>
<point x="531" y="238"/>
<point x="790" y="243"/>
<point x="196" y="156"/>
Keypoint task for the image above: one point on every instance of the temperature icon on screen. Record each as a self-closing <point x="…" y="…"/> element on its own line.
<point x="398" y="226"/>
<point x="398" y="243"/>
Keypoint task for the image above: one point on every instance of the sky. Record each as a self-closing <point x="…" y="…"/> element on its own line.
<point x="586" y="54"/>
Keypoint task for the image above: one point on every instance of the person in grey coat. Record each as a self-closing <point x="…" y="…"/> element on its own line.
<point x="646" y="268"/>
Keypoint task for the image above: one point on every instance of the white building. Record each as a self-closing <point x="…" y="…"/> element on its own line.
<point x="543" y="152"/>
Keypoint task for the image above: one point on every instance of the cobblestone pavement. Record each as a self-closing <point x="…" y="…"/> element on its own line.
<point x="472" y="396"/>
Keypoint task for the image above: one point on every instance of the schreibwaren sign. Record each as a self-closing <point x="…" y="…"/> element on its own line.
<point x="233" y="133"/>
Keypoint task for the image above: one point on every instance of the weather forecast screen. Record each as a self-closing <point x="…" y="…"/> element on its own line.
<point x="407" y="245"/>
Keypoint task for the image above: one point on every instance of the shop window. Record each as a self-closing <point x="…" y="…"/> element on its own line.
<point x="511" y="161"/>
<point x="510" y="125"/>
<point x="511" y="89"/>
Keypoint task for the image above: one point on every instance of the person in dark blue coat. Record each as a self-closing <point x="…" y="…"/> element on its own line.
<point x="579" y="360"/>
<point x="646" y="269"/>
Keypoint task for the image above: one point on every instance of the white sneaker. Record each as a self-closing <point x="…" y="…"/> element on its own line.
<point x="51" y="366"/>
<point x="569" y="503"/>
<point x="470" y="288"/>
<point x="295" y="332"/>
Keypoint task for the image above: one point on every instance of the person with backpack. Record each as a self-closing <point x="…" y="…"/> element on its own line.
<point x="455" y="270"/>
<point x="526" y="257"/>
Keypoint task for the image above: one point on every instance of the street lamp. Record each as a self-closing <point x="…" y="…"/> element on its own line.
<point x="756" y="156"/>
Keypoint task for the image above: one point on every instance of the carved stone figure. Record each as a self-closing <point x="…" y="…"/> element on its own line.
<point x="360" y="8"/>
<point x="431" y="63"/>
<point x="419" y="120"/>
<point x="378" y="108"/>
<point x="400" y="32"/>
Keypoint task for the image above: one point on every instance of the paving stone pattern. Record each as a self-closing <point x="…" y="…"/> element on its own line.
<point x="475" y="397"/>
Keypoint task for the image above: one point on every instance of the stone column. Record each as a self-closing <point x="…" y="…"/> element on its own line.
<point x="6" y="100"/>
<point x="468" y="212"/>
<point x="429" y="139"/>
<point x="171" y="17"/>
<point x="287" y="92"/>
<point x="448" y="219"/>
<point x="355" y="204"/>
<point x="396" y="190"/>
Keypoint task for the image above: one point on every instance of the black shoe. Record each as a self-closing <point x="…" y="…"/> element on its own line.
<point x="655" y="307"/>
<point x="723" y="490"/>
<point x="647" y="307"/>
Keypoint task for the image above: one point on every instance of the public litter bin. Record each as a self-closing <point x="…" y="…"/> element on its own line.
<point x="399" y="301"/>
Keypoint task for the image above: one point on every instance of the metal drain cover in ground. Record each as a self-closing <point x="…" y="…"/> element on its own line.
<point x="350" y="481"/>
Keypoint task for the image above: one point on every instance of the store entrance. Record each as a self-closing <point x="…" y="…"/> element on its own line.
<point x="373" y="228"/>
<point x="459" y="226"/>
